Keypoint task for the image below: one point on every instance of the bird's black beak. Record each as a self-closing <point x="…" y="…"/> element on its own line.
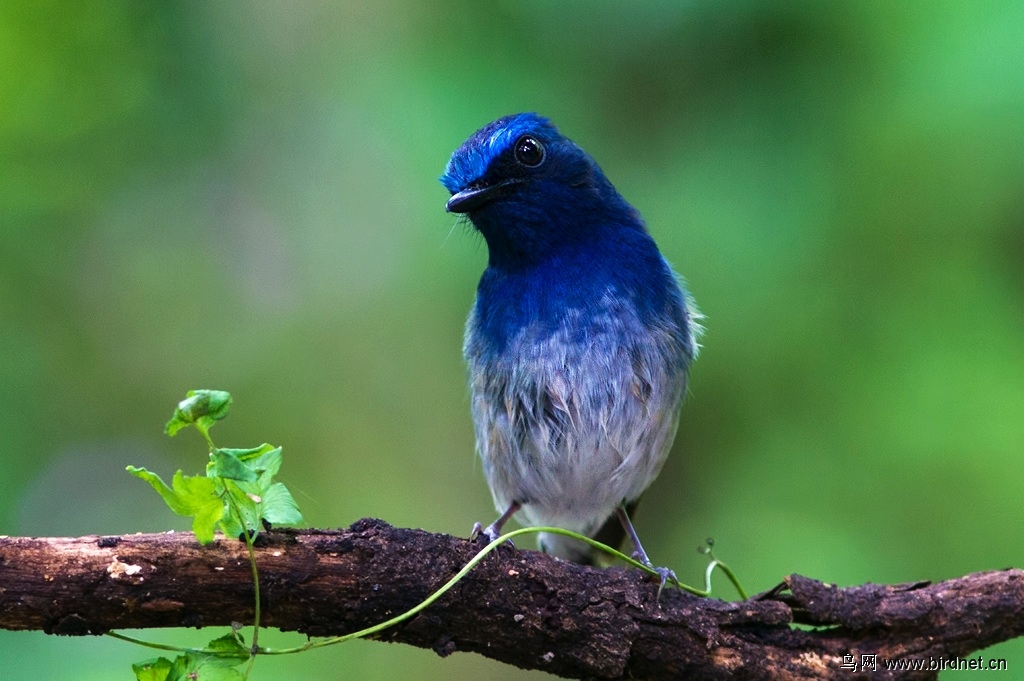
<point x="468" y="199"/>
<point x="471" y="198"/>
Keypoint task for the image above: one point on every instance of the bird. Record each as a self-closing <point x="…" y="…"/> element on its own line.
<point x="579" y="341"/>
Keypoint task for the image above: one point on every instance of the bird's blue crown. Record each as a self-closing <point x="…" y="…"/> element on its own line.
<point x="469" y="163"/>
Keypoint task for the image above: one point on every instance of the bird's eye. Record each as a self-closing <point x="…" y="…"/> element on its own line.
<point x="529" y="151"/>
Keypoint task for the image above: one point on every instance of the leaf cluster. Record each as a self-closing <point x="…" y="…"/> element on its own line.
<point x="216" y="663"/>
<point x="238" y="493"/>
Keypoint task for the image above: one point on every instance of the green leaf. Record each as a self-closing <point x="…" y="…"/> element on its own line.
<point x="265" y="459"/>
<point x="251" y="453"/>
<point x="257" y="496"/>
<point x="196" y="492"/>
<point x="203" y="667"/>
<point x="225" y="463"/>
<point x="160" y="486"/>
<point x="230" y="645"/>
<point x="189" y="495"/>
<point x="279" y="507"/>
<point x="206" y="519"/>
<point x="231" y="527"/>
<point x="213" y="671"/>
<point x="201" y="408"/>
<point x="269" y="460"/>
<point x="156" y="669"/>
<point x="245" y="505"/>
<point x="229" y="652"/>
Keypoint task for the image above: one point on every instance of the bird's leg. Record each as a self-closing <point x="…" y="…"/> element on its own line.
<point x="640" y="555"/>
<point x="493" y="531"/>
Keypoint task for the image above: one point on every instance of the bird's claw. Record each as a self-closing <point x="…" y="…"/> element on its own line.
<point x="489" y="533"/>
<point x="665" y="575"/>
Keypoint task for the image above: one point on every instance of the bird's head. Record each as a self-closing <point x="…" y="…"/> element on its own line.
<point x="528" y="189"/>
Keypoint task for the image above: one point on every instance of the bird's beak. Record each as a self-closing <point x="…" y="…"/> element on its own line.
<point x="468" y="199"/>
<point x="471" y="198"/>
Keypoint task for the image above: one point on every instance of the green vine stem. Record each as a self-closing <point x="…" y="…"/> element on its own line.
<point x="476" y="560"/>
<point x="473" y="562"/>
<point x="257" y="607"/>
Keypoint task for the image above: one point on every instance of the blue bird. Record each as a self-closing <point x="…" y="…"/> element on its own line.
<point x="579" y="342"/>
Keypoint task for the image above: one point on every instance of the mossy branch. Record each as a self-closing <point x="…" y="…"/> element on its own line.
<point x="520" y="607"/>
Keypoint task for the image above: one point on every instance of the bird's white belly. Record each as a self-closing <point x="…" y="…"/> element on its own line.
<point x="572" y="430"/>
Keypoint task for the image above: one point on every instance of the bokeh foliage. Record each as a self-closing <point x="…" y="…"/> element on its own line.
<point x="244" y="196"/>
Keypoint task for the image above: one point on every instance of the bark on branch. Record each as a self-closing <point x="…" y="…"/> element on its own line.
<point x="520" y="607"/>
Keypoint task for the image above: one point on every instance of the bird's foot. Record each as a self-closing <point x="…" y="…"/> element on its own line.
<point x="664" y="574"/>
<point x="489" y="534"/>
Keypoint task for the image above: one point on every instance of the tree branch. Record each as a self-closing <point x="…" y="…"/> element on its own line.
<point x="520" y="607"/>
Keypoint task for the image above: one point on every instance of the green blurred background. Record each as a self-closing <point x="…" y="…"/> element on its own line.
<point x="244" y="196"/>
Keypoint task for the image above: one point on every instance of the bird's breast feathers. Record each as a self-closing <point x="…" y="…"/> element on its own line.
<point x="573" y="417"/>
